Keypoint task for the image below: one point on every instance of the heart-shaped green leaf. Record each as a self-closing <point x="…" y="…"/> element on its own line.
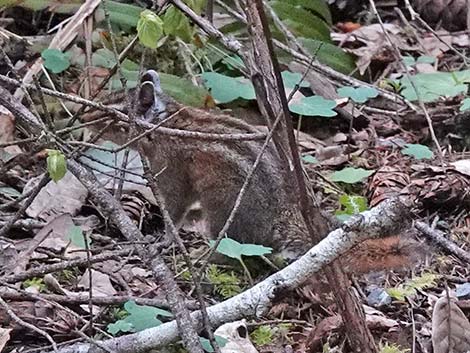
<point x="359" y="94"/>
<point x="55" y="60"/>
<point x="350" y="175"/>
<point x="313" y="106"/>
<point x="417" y="151"/>
<point x="149" y="28"/>
<point x="232" y="248"/>
<point x="225" y="89"/>
<point x="291" y="79"/>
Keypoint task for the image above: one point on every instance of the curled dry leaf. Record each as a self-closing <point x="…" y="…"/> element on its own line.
<point x="450" y="327"/>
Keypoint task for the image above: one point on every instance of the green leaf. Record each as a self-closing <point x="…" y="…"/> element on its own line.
<point x="465" y="105"/>
<point x="35" y="282"/>
<point x="417" y="151"/>
<point x="352" y="204"/>
<point x="149" y="29"/>
<point x="233" y="62"/>
<point x="206" y="344"/>
<point x="400" y="293"/>
<point x="184" y="91"/>
<point x="291" y="79"/>
<point x="56" y="165"/>
<point x="425" y="59"/>
<point x="359" y="94"/>
<point x="232" y="248"/>
<point x="225" y="89"/>
<point x="409" y="288"/>
<point x="309" y="159"/>
<point x="75" y="235"/>
<point x="124" y="15"/>
<point x="225" y="284"/>
<point x="196" y="5"/>
<point x="140" y="318"/>
<point x="313" y="106"/>
<point x="120" y="326"/>
<point x="350" y="175"/>
<point x="302" y="22"/>
<point x="392" y="348"/>
<point x="436" y="85"/>
<point x="262" y="336"/>
<point x="426" y="280"/>
<point x="177" y="24"/>
<point x="320" y="7"/>
<point x="55" y="6"/>
<point x="55" y="60"/>
<point x="103" y="57"/>
<point x="409" y="60"/>
<point x="331" y="55"/>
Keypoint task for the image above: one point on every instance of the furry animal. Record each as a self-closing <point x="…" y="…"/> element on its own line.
<point x="212" y="173"/>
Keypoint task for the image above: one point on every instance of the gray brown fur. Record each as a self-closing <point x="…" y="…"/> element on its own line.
<point x="213" y="172"/>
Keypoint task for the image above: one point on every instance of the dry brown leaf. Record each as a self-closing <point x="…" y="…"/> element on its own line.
<point x="450" y="328"/>
<point x="66" y="196"/>
<point x="437" y="187"/>
<point x="375" y="45"/>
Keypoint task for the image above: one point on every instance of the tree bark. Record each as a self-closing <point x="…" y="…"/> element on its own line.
<point x="272" y="101"/>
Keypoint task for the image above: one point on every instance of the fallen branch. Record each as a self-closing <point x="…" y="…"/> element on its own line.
<point x="383" y="220"/>
<point x="437" y="237"/>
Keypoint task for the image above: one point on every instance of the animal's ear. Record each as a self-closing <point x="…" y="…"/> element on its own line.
<point x="146" y="97"/>
<point x="152" y="76"/>
<point x="151" y="103"/>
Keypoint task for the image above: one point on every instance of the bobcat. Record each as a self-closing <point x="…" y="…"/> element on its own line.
<point x="212" y="173"/>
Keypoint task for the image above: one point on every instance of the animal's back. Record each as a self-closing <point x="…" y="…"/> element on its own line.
<point x="213" y="173"/>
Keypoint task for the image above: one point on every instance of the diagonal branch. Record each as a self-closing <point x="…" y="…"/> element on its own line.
<point x="381" y="221"/>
